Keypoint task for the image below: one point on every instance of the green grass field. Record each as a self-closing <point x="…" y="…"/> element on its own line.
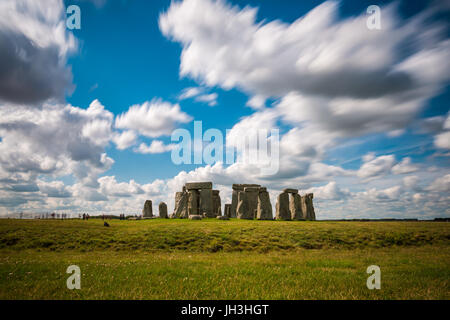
<point x="212" y="259"/>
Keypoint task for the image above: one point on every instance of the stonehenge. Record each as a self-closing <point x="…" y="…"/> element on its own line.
<point x="147" y="211"/>
<point x="163" y="210"/>
<point x="198" y="200"/>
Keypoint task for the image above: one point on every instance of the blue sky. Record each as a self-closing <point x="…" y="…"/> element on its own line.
<point x="363" y="114"/>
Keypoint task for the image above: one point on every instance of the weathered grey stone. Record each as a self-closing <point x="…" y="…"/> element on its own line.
<point x="163" y="210"/>
<point x="222" y="218"/>
<point x="206" y="203"/>
<point x="227" y="210"/>
<point x="289" y="190"/>
<point x="217" y="205"/>
<point x="241" y="187"/>
<point x="198" y="185"/>
<point x="147" y="211"/>
<point x="295" y="207"/>
<point x="264" y="209"/>
<point x="262" y="189"/>
<point x="252" y="200"/>
<point x="282" y="207"/>
<point x="195" y="217"/>
<point x="308" y="207"/>
<point x="181" y="210"/>
<point x="234" y="202"/>
<point x="177" y="199"/>
<point x="242" y="207"/>
<point x="193" y="202"/>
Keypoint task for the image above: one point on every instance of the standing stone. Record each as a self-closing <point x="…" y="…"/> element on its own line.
<point x="252" y="201"/>
<point x="282" y="207"/>
<point x="295" y="206"/>
<point x="147" y="212"/>
<point x="308" y="204"/>
<point x="193" y="202"/>
<point x="217" y="205"/>
<point x="206" y="205"/>
<point x="178" y="196"/>
<point x="264" y="210"/>
<point x="234" y="202"/>
<point x="304" y="207"/>
<point x="227" y="210"/>
<point x="181" y="206"/>
<point x="163" y="210"/>
<point x="234" y="197"/>
<point x="242" y="208"/>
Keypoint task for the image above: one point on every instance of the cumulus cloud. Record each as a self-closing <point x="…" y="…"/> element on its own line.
<point x="210" y="99"/>
<point x="125" y="139"/>
<point x="34" y="46"/>
<point x="190" y="92"/>
<point x="404" y="167"/>
<point x="54" y="189"/>
<point x="157" y="146"/>
<point x="316" y="55"/>
<point x="441" y="184"/>
<point x="440" y="126"/>
<point x="200" y="95"/>
<point x="110" y="187"/>
<point x="442" y="140"/>
<point x="152" y="119"/>
<point x="376" y="166"/>
<point x="55" y="140"/>
<point x="330" y="191"/>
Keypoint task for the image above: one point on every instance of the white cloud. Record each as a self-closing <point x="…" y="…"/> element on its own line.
<point x="200" y="95"/>
<point x="318" y="54"/>
<point x="388" y="194"/>
<point x="125" y="139"/>
<point x="442" y="140"/>
<point x="152" y="119"/>
<point x="210" y="99"/>
<point x="34" y="46"/>
<point x="190" y="92"/>
<point x="331" y="191"/>
<point x="404" y="167"/>
<point x="411" y="182"/>
<point x="157" y="146"/>
<point x="441" y="184"/>
<point x="55" y="189"/>
<point x="110" y="187"/>
<point x="375" y="167"/>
